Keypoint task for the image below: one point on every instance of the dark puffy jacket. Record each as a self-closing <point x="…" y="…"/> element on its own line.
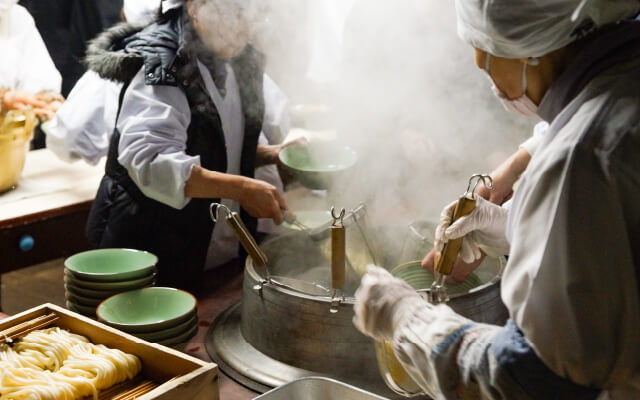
<point x="121" y="215"/>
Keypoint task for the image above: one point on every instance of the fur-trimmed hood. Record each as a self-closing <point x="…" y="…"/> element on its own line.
<point x="107" y="56"/>
<point x="120" y="52"/>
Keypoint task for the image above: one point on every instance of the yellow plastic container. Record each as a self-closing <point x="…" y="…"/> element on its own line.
<point x="16" y="130"/>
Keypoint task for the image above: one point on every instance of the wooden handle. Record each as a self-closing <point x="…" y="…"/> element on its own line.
<point x="446" y="258"/>
<point x="246" y="240"/>
<point x="338" y="256"/>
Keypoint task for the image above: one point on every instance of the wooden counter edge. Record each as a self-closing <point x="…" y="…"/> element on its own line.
<point x="45" y="215"/>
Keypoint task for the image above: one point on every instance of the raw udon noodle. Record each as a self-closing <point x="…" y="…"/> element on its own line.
<point x="56" y="364"/>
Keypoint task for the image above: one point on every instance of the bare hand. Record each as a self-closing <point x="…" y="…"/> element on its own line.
<point x="17" y="100"/>
<point x="461" y="270"/>
<point x="262" y="200"/>
<point x="269" y="154"/>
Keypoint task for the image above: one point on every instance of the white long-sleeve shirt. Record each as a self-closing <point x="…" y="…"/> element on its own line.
<point x="83" y="125"/>
<point x="153" y="139"/>
<point x="153" y="126"/>
<point x="25" y="62"/>
<point x="572" y="280"/>
<point x="570" y="283"/>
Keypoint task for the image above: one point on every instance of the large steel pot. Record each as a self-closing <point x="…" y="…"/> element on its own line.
<point x="291" y="322"/>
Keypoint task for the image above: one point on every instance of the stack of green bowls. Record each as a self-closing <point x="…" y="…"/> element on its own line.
<point x="162" y="315"/>
<point x="92" y="276"/>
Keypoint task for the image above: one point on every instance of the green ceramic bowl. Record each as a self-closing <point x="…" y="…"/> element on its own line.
<point x="317" y="165"/>
<point x="109" y="286"/>
<point x="110" y="265"/>
<point x="84" y="310"/>
<point x="180" y="338"/>
<point x="169" y="333"/>
<point x="147" y="310"/>
<point x="89" y="293"/>
<point x="419" y="278"/>
<point x="81" y="300"/>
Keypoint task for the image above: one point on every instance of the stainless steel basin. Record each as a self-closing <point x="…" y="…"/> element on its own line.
<point x="318" y="388"/>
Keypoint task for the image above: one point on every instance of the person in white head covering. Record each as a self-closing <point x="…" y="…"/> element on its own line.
<point x="28" y="77"/>
<point x="571" y="284"/>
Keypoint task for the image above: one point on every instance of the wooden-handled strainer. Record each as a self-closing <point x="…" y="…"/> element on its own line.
<point x="446" y="258"/>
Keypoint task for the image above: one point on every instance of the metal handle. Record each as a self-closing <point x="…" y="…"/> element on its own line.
<point x="338" y="259"/>
<point x="242" y="233"/>
<point x="338" y="250"/>
<point x="466" y="204"/>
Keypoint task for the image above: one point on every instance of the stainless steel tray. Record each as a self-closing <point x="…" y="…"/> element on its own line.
<point x="318" y="388"/>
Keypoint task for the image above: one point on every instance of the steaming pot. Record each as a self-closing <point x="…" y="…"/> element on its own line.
<point x="288" y="332"/>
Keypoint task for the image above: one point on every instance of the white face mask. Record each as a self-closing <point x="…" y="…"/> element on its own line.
<point x="523" y="105"/>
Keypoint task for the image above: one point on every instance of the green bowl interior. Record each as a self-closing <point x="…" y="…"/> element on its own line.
<point x="146" y="306"/>
<point x="318" y="157"/>
<point x="419" y="278"/>
<point x="110" y="261"/>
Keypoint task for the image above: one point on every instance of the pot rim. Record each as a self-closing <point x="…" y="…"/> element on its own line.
<point x="281" y="288"/>
<point x="478" y="289"/>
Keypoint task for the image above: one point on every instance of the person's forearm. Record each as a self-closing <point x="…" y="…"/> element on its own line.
<point x="266" y="154"/>
<point x="446" y="354"/>
<point x="203" y="183"/>
<point x="519" y="162"/>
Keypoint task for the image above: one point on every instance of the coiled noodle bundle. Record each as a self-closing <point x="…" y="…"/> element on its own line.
<point x="56" y="364"/>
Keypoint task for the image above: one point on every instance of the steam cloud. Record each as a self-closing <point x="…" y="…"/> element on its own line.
<point x="405" y="94"/>
<point x="402" y="90"/>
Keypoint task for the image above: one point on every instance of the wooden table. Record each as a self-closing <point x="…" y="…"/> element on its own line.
<point x="45" y="215"/>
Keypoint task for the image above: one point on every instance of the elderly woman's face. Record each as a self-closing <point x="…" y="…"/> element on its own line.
<point x="506" y="73"/>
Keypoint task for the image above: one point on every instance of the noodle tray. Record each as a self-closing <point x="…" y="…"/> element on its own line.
<point x="166" y="373"/>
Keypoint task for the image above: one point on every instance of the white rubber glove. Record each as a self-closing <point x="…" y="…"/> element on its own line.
<point x="485" y="228"/>
<point x="381" y="303"/>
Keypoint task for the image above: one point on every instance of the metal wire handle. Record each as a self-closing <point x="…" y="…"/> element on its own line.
<point x="478" y="178"/>
<point x="339" y="217"/>
<point x="214" y="210"/>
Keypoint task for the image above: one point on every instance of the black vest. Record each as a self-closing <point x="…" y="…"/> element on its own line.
<point x="122" y="216"/>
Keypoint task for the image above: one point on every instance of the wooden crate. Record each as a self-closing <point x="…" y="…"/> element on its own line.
<point x="198" y="380"/>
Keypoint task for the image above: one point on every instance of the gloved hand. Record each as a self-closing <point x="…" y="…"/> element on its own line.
<point x="485" y="228"/>
<point x="381" y="302"/>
